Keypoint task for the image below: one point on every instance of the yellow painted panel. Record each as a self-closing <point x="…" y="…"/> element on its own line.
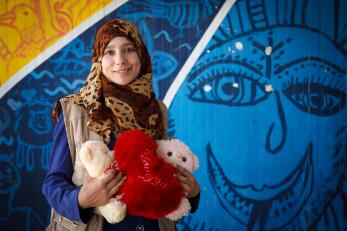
<point x="28" y="27"/>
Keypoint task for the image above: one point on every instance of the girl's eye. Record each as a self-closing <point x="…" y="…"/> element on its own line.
<point x="130" y="49"/>
<point x="109" y="52"/>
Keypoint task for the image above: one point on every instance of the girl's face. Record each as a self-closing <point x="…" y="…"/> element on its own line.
<point x="120" y="62"/>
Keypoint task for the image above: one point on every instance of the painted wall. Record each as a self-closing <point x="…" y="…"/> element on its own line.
<point x="257" y="88"/>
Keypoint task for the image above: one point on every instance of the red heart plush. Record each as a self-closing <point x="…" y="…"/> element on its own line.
<point x="151" y="189"/>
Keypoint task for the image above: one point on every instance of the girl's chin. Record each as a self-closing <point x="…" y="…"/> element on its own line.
<point x="120" y="81"/>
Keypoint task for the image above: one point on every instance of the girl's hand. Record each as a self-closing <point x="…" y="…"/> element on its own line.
<point x="190" y="185"/>
<point x="97" y="192"/>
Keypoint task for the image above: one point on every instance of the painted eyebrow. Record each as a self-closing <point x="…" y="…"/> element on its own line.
<point x="282" y="68"/>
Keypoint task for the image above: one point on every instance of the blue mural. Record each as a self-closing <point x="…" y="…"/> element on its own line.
<point x="264" y="108"/>
<point x="267" y="116"/>
<point x="10" y="213"/>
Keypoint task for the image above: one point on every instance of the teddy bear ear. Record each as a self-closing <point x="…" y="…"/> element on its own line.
<point x="160" y="142"/>
<point x="195" y="162"/>
<point x="160" y="147"/>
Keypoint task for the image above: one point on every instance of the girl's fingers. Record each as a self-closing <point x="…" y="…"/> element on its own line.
<point x="116" y="188"/>
<point x="87" y="177"/>
<point x="115" y="181"/>
<point x="182" y="170"/>
<point x="189" y="184"/>
<point x="186" y="189"/>
<point x="109" y="176"/>
<point x="117" y="178"/>
<point x="182" y="178"/>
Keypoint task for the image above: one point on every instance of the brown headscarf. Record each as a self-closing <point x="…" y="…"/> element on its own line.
<point x="115" y="108"/>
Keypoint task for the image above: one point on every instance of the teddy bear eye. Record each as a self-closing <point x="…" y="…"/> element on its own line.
<point x="184" y="159"/>
<point x="169" y="154"/>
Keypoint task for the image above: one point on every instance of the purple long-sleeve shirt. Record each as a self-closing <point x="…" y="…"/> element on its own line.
<point x="61" y="193"/>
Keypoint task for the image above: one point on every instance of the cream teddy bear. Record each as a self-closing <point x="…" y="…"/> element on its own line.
<point x="94" y="158"/>
<point x="177" y="153"/>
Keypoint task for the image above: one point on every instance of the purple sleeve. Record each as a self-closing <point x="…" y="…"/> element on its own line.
<point x="58" y="188"/>
<point x="194" y="202"/>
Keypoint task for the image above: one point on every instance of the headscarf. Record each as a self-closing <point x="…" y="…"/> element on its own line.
<point x="114" y="108"/>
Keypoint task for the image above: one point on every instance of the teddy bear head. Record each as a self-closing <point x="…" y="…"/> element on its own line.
<point x="176" y="152"/>
<point x="96" y="157"/>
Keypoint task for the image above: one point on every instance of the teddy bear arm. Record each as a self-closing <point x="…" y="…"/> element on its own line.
<point x="113" y="212"/>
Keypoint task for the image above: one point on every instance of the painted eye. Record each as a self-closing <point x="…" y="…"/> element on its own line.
<point x="316" y="98"/>
<point x="169" y="154"/>
<point x="184" y="159"/>
<point x="229" y="89"/>
<point x="39" y="121"/>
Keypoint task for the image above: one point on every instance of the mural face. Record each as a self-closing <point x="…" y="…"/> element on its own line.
<point x="256" y="107"/>
<point x="33" y="120"/>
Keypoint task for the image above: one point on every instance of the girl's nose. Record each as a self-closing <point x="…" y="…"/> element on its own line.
<point x="119" y="59"/>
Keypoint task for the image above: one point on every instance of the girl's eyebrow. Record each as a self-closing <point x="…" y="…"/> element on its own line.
<point x="123" y="45"/>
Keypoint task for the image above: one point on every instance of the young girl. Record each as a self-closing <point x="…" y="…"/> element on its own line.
<point x="117" y="96"/>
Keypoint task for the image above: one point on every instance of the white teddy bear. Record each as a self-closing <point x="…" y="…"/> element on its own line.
<point x="177" y="153"/>
<point x="94" y="157"/>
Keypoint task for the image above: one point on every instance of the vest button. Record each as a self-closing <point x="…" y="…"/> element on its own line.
<point x="140" y="227"/>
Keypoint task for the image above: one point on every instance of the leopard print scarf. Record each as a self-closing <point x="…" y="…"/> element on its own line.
<point x="113" y="108"/>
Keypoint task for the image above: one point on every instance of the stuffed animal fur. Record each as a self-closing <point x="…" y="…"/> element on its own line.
<point x="176" y="152"/>
<point x="95" y="158"/>
<point x="151" y="188"/>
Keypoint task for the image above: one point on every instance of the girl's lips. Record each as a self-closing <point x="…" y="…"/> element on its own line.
<point x="122" y="71"/>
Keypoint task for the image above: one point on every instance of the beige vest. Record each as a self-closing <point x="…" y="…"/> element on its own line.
<point x="75" y="118"/>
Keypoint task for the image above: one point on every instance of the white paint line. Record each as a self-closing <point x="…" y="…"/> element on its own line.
<point x="199" y="48"/>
